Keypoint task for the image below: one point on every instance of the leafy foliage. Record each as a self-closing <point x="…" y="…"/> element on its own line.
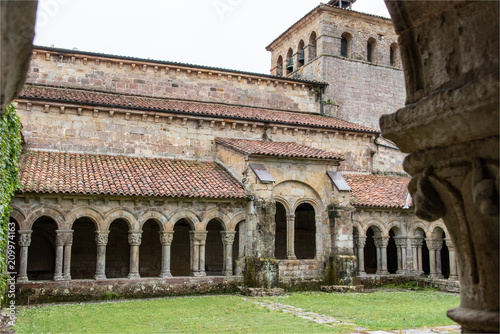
<point x="10" y="150"/>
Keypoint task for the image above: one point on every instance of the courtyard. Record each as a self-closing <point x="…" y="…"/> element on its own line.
<point x="306" y="312"/>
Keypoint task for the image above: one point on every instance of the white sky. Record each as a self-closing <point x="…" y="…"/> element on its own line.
<point x="231" y="34"/>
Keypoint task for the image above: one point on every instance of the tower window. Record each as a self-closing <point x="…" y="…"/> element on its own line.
<point x="343" y="47"/>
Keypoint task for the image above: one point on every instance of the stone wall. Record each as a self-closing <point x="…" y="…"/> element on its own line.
<point x="162" y="79"/>
<point x="129" y="132"/>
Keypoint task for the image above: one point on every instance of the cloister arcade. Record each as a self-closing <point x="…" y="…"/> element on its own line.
<point x="422" y="249"/>
<point x="120" y="244"/>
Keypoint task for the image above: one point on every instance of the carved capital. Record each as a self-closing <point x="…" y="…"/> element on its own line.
<point x="417" y="242"/>
<point x="134" y="238"/>
<point x="64" y="238"/>
<point x="401" y="242"/>
<point x="359" y="241"/>
<point x="25" y="238"/>
<point x="101" y="238"/>
<point x="166" y="238"/>
<point x="198" y="236"/>
<point x="434" y="244"/>
<point x="381" y="242"/>
<point x="227" y="237"/>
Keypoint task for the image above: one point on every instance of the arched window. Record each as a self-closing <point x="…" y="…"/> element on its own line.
<point x="281" y="232"/>
<point x="312" y="46"/>
<point x="289" y="66"/>
<point x="301" y="54"/>
<point x="279" y="66"/>
<point x="370" y="50"/>
<point x="393" y="58"/>
<point x="345" y="45"/>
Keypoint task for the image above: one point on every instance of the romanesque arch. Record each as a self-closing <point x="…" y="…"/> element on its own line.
<point x="118" y="248"/>
<point x="42" y="250"/>
<point x="150" y="250"/>
<point x="181" y="247"/>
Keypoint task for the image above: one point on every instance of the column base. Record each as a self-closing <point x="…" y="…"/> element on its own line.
<point x="382" y="272"/>
<point x="99" y="276"/>
<point x="453" y="278"/>
<point x="436" y="276"/>
<point x="291" y="257"/>
<point x="401" y="272"/>
<point x="165" y="275"/>
<point x="22" y="279"/>
<point x="67" y="278"/>
<point x="227" y="273"/>
<point x="362" y="273"/>
<point x="475" y="321"/>
<point x="200" y="274"/>
<point x="58" y="278"/>
<point x="133" y="276"/>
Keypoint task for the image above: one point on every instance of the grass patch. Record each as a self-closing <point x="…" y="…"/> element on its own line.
<point x="211" y="314"/>
<point x="231" y="313"/>
<point x="379" y="310"/>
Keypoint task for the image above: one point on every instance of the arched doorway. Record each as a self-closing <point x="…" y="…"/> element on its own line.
<point x="305" y="232"/>
<point x="118" y="250"/>
<point x="150" y="253"/>
<point x="42" y="250"/>
<point x="181" y="249"/>
<point x="84" y="249"/>
<point x="214" y="249"/>
<point x="281" y="232"/>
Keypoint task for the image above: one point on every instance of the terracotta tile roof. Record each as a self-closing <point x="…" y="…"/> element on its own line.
<point x="277" y="149"/>
<point x="382" y="191"/>
<point x="74" y="173"/>
<point x="195" y="108"/>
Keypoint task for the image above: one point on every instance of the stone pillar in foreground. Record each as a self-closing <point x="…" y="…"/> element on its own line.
<point x="227" y="242"/>
<point x="68" y="242"/>
<point x="359" y="243"/>
<point x="24" y="243"/>
<point x="134" y="240"/>
<point x="60" y="241"/>
<point x="450" y="128"/>
<point x="166" y="243"/>
<point x="453" y="260"/>
<point x="101" y="240"/>
<point x="290" y="237"/>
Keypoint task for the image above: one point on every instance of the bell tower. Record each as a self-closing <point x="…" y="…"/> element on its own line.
<point x="342" y="3"/>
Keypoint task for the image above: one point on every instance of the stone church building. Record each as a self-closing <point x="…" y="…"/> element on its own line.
<point x="153" y="177"/>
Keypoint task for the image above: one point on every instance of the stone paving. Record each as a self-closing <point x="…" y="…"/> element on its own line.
<point x="329" y="321"/>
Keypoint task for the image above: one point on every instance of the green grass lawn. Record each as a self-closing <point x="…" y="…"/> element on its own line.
<point x="380" y="310"/>
<point x="215" y="314"/>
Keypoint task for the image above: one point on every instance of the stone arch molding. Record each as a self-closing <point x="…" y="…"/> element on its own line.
<point x="121" y="214"/>
<point x="18" y="215"/>
<point x="86" y="212"/>
<point x="294" y="191"/>
<point x="217" y="214"/>
<point x="377" y="223"/>
<point x="155" y="215"/>
<point x="398" y="225"/>
<point x="41" y="211"/>
<point x="189" y="215"/>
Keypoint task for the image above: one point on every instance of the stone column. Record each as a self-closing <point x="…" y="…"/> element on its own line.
<point x="60" y="242"/>
<point x="416" y="244"/>
<point x="453" y="260"/>
<point x="381" y="244"/>
<point x="433" y="245"/>
<point x="242" y="240"/>
<point x="227" y="241"/>
<point x="67" y="255"/>
<point x="359" y="243"/>
<point x="449" y="128"/>
<point x="401" y="243"/>
<point x="101" y="240"/>
<point x="24" y="243"/>
<point x="290" y="236"/>
<point x="134" y="240"/>
<point x="166" y="243"/>
<point x="198" y="240"/>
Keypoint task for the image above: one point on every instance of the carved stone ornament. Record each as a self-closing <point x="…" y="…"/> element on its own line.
<point x="359" y="241"/>
<point x="381" y="242"/>
<point x="166" y="238"/>
<point x="64" y="238"/>
<point x="434" y="244"/>
<point x="101" y="239"/>
<point x="24" y="239"/>
<point x="228" y="238"/>
<point x="401" y="242"/>
<point x="417" y="242"/>
<point x="134" y="239"/>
